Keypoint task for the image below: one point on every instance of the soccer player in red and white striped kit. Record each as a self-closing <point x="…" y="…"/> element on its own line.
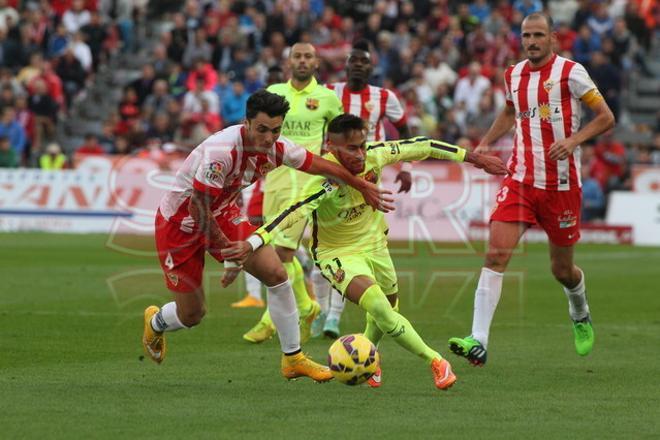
<point x="543" y="96"/>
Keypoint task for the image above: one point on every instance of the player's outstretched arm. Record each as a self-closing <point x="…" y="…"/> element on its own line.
<point x="422" y="148"/>
<point x="375" y="197"/>
<point x="490" y="164"/>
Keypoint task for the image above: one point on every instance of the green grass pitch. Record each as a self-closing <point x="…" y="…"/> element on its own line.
<point x="71" y="362"/>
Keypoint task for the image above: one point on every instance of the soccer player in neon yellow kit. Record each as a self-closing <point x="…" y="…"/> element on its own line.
<point x="313" y="106"/>
<point x="349" y="242"/>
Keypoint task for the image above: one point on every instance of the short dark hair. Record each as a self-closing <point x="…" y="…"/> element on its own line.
<point x="264" y="101"/>
<point x="542" y="16"/>
<point x="362" y="45"/>
<point x="344" y="124"/>
<point x="275" y="69"/>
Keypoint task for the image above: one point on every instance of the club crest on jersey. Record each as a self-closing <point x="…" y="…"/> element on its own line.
<point x="174" y="278"/>
<point x="266" y="168"/>
<point x="567" y="219"/>
<point x="339" y="275"/>
<point x="369" y="106"/>
<point x="312" y="104"/>
<point x="215" y="168"/>
<point x="371" y="177"/>
<point x="548" y="84"/>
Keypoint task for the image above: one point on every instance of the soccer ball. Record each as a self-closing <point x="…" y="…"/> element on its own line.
<point x="353" y="359"/>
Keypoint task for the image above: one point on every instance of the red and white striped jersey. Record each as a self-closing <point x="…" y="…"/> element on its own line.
<point x="221" y="166"/>
<point x="548" y="108"/>
<point x="372" y="104"/>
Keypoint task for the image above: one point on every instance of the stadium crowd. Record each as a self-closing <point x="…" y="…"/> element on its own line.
<point x="444" y="59"/>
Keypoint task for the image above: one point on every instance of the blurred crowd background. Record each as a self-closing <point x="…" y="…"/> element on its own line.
<point x="153" y="78"/>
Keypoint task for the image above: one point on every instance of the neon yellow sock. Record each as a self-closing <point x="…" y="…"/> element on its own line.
<point x="397" y="326"/>
<point x="371" y="331"/>
<point x="296" y="275"/>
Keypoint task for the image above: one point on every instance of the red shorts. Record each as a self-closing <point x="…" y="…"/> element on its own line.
<point x="181" y="254"/>
<point x="557" y="212"/>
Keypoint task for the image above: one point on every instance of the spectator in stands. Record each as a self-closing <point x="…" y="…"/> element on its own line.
<point x="12" y="130"/>
<point x="526" y="7"/>
<point x="197" y="49"/>
<point x="609" y="165"/>
<point x="471" y="88"/>
<point x="252" y="81"/>
<point x="45" y="109"/>
<point x="158" y="101"/>
<point x="76" y="17"/>
<point x="72" y="74"/>
<point x="107" y="137"/>
<point x="25" y="118"/>
<point x="607" y="78"/>
<point x="586" y="43"/>
<point x="600" y="22"/>
<point x="53" y="158"/>
<point x="122" y="145"/>
<point x="91" y="146"/>
<point x="95" y="34"/>
<point x="203" y="70"/>
<point x="162" y="64"/>
<point x="161" y="128"/>
<point x="144" y="84"/>
<point x="593" y="197"/>
<point x="7" y="96"/>
<point x="233" y="107"/>
<point x="438" y="72"/>
<point x="192" y="101"/>
<point x="8" y="156"/>
<point x="8" y="16"/>
<point x="565" y="37"/>
<point x="57" y="42"/>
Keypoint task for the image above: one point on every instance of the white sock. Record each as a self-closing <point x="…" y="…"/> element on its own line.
<point x="284" y="313"/>
<point x="166" y="319"/>
<point x="486" y="298"/>
<point x="322" y="289"/>
<point x="253" y="286"/>
<point x="337" y="304"/>
<point x="578" y="307"/>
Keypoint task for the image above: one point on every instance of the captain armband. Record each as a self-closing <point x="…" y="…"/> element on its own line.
<point x="592" y="97"/>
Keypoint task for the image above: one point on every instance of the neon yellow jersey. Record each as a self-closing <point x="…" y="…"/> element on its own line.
<point x="343" y="224"/>
<point x="310" y="111"/>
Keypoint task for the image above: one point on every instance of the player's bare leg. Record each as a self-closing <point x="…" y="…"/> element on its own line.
<point x="572" y="279"/>
<point x="266" y="266"/>
<point x="363" y="291"/>
<point x="185" y="311"/>
<point x="504" y="237"/>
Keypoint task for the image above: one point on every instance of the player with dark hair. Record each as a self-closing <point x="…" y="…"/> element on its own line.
<point x="199" y="214"/>
<point x="544" y="93"/>
<point x="349" y="241"/>
<point x="372" y="104"/>
<point x="312" y="108"/>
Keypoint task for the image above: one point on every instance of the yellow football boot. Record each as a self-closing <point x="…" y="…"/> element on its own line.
<point x="153" y="341"/>
<point x="248" y="301"/>
<point x="260" y="332"/>
<point x="299" y="365"/>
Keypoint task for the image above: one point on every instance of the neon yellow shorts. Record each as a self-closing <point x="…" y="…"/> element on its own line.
<point x="280" y="192"/>
<point x="375" y="265"/>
